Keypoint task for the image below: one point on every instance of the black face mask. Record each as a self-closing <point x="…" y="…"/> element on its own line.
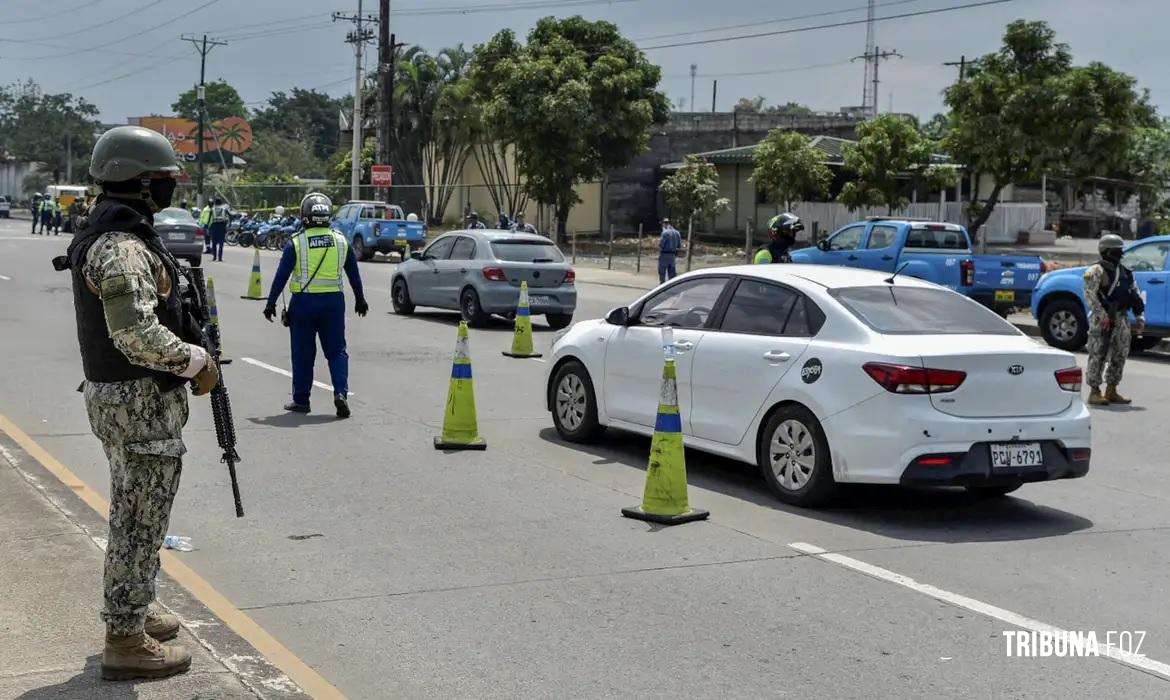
<point x="1112" y="255"/>
<point x="162" y="191"/>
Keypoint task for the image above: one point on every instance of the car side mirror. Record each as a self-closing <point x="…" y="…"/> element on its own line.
<point x="417" y="255"/>
<point x="619" y="316"/>
<point x="823" y="245"/>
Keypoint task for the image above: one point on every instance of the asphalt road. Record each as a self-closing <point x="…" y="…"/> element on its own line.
<point x="395" y="570"/>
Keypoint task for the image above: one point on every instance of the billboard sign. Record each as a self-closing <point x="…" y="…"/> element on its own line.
<point x="231" y="134"/>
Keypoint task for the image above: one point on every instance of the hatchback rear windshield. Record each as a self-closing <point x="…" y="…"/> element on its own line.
<point x="894" y="310"/>
<point x="527" y="251"/>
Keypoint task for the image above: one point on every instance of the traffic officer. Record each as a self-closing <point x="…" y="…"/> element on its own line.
<point x="35" y="205"/>
<point x="1111" y="293"/>
<point x="220" y="215"/>
<point x="137" y="356"/>
<point x="782" y="229"/>
<point x="205" y="223"/>
<point x="519" y="225"/>
<point x="473" y="221"/>
<point x="57" y="216"/>
<point x="669" y="243"/>
<point x="314" y="259"/>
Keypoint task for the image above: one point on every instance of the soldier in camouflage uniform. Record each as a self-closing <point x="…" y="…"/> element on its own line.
<point x="1111" y="293"/>
<point x="138" y="350"/>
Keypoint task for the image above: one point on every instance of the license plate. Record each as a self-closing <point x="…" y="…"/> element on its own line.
<point x="540" y="301"/>
<point x="176" y="236"/>
<point x="1012" y="455"/>
<point x="1005" y="295"/>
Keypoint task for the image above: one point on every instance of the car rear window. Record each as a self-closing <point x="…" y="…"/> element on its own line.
<point x="527" y="251"/>
<point x="173" y="216"/>
<point x="937" y="238"/>
<point x="894" y="310"/>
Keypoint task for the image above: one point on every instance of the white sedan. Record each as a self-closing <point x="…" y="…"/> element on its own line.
<point x="825" y="375"/>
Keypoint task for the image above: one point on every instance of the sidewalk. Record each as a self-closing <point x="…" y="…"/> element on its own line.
<point x="50" y="632"/>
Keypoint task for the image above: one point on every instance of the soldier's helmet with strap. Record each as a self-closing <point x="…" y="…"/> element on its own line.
<point x="124" y="158"/>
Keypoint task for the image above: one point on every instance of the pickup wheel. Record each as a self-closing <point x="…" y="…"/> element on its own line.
<point x="1063" y="324"/>
<point x="400" y="298"/>
<point x="1142" y="343"/>
<point x="359" y="249"/>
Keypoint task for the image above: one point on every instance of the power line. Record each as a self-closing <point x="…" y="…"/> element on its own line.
<point x="781" y="20"/>
<point x="119" y="18"/>
<point x="42" y="19"/>
<point x="766" y="71"/>
<point x="850" y="23"/>
<point x="507" y="7"/>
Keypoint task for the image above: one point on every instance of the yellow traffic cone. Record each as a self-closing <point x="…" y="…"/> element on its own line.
<point x="665" y="499"/>
<point x="460" y="429"/>
<point x="213" y="311"/>
<point x="522" y="335"/>
<point x="254" y="285"/>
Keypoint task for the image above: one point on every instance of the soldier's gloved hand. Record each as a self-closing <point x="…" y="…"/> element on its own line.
<point x="206" y="380"/>
<point x="1141" y="324"/>
<point x="270" y="312"/>
<point x="361" y="308"/>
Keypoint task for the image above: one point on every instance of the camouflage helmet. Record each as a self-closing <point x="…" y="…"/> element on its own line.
<point x="126" y="152"/>
<point x="1110" y="241"/>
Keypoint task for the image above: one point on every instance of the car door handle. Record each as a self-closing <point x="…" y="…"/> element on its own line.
<point x="887" y="257"/>
<point x="777" y="356"/>
<point x="851" y="257"/>
<point x="463" y="270"/>
<point x="683" y="345"/>
<point x="1155" y="281"/>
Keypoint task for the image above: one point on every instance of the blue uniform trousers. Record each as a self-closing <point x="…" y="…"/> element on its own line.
<point x="666" y="266"/>
<point x="310" y="316"/>
<point x="218" y="236"/>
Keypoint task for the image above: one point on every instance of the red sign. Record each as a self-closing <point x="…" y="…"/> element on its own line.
<point x="382" y="175"/>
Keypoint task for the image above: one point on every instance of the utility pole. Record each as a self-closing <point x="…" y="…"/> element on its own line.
<point x="385" y="88"/>
<point x="714" y="93"/>
<point x="358" y="38"/>
<point x="962" y="64"/>
<point x="203" y="46"/>
<point x="694" y="72"/>
<point x="873" y="60"/>
<point x="69" y="157"/>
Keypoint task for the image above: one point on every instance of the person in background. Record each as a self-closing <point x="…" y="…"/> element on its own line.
<point x="520" y="226"/>
<point x="58" y="213"/>
<point x="1111" y="294"/>
<point x="220" y="216"/>
<point x="669" y="244"/>
<point x="35" y="208"/>
<point x="504" y="224"/>
<point x="204" y="220"/>
<point x="46" y="214"/>
<point x="473" y="221"/>
<point x="76" y="212"/>
<point x="782" y="229"/>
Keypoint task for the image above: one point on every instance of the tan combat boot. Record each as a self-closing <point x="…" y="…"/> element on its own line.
<point x="1112" y="396"/>
<point x="140" y="656"/>
<point x="1095" y="397"/>
<point x="162" y="626"/>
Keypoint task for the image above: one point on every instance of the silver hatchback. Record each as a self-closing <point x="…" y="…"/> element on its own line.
<point x="479" y="272"/>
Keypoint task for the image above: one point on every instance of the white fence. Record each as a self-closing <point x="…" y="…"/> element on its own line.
<point x="1006" y="221"/>
<point x="12" y="175"/>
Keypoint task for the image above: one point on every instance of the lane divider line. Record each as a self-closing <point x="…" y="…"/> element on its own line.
<point x="279" y="655"/>
<point x="1126" y="658"/>
<point x="6" y="279"/>
<point x="264" y="365"/>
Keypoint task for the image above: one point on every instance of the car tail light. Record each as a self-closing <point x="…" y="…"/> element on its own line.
<point x="935" y="461"/>
<point x="570" y="276"/>
<point x="1079" y="454"/>
<point x="1070" y="379"/>
<point x="199" y="233"/>
<point x="903" y="379"/>
<point x="494" y="274"/>
<point x="967" y="273"/>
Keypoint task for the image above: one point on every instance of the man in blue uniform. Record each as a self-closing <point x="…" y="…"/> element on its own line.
<point x="669" y="244"/>
<point x="314" y="260"/>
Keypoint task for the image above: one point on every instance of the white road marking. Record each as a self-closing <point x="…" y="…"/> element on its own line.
<point x="1139" y="662"/>
<point x="6" y="279"/>
<point x="285" y="372"/>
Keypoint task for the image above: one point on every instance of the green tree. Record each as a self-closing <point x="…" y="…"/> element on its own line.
<point x="274" y="154"/>
<point x="220" y="99"/>
<point x="789" y="168"/>
<point x="577" y="100"/>
<point x="38" y="127"/>
<point x="306" y="116"/>
<point x="1149" y="165"/>
<point x="935" y="128"/>
<point x="692" y="193"/>
<point x="750" y="105"/>
<point x="889" y="158"/>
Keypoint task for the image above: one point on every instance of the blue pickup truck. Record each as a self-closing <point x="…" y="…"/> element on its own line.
<point x="1059" y="300"/>
<point x="932" y="251"/>
<point x="377" y="227"/>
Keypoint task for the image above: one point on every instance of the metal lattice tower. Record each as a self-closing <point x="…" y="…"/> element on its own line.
<point x="868" y="92"/>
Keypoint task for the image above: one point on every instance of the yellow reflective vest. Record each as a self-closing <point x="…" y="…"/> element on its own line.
<point x="320" y="255"/>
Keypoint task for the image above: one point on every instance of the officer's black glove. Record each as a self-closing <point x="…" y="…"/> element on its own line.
<point x="361" y="308"/>
<point x="270" y="312"/>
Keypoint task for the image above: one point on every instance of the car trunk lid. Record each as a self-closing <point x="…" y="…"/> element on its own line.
<point x="537" y="275"/>
<point x="176" y="233"/>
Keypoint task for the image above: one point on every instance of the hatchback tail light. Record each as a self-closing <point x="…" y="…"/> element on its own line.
<point x="570" y="276"/>
<point x="903" y="379"/>
<point x="967" y="273"/>
<point x="494" y="274"/>
<point x="1070" y="379"/>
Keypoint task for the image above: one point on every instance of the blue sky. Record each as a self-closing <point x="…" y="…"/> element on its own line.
<point x="276" y="44"/>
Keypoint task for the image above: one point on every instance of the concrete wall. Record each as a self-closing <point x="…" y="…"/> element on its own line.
<point x="12" y="176"/>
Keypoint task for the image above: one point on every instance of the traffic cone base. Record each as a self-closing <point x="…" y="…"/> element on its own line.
<point x="522" y="329"/>
<point x="460" y="428"/>
<point x="255" y="286"/>
<point x="664" y="500"/>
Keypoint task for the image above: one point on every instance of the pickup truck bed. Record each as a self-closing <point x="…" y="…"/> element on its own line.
<point x="376" y="227"/>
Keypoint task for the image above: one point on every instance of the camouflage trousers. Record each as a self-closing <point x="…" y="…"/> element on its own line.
<point x="140" y="428"/>
<point x="1108" y="350"/>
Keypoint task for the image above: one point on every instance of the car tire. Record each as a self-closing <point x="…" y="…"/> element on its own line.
<point x="574" y="404"/>
<point x="471" y="310"/>
<point x="359" y="249"/>
<point x="990" y="492"/>
<point x="1143" y="343"/>
<point x="793" y="443"/>
<point x="400" y="298"/>
<point x="1064" y="325"/>
<point x="558" y="321"/>
<point x="195" y="262"/>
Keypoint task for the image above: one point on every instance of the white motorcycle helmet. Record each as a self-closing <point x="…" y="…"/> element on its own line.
<point x="279" y="211"/>
<point x="412" y="217"/>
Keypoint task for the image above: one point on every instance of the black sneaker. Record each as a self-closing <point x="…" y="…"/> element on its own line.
<point x="296" y="407"/>
<point x="342" y="405"/>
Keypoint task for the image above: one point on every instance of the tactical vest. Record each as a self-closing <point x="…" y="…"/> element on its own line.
<point x="101" y="360"/>
<point x="1117" y="292"/>
<point x="320" y="256"/>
